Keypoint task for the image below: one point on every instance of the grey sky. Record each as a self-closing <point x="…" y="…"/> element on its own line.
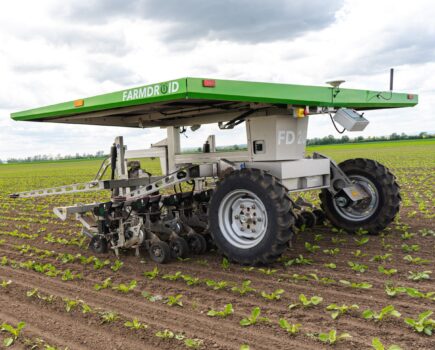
<point x="56" y="51"/>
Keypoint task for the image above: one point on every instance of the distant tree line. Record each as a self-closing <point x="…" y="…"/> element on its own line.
<point x="327" y="140"/>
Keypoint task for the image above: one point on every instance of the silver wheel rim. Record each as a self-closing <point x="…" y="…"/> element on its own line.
<point x="242" y="219"/>
<point x="366" y="207"/>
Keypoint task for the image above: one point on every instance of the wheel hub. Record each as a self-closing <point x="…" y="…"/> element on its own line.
<point x="243" y="217"/>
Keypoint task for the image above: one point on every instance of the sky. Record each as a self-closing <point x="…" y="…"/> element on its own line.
<point x="54" y="51"/>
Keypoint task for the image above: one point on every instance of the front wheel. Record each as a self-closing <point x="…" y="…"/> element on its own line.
<point x="371" y="214"/>
<point x="251" y="217"/>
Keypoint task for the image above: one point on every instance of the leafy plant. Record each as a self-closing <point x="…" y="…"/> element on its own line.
<point x="410" y="248"/>
<point x="357" y="267"/>
<point x="106" y="284"/>
<point x="70" y="304"/>
<point x="361" y="241"/>
<point x="193" y="343"/>
<point x="151" y="297"/>
<point x="330" y="266"/>
<point x="274" y="295"/>
<point x="13" y="331"/>
<point x="377" y="345"/>
<point x="125" y="288"/>
<point x="357" y="285"/>
<point x="175" y="300"/>
<point x="245" y="288"/>
<point x="5" y="283"/>
<point x="99" y="264"/>
<point x="393" y="291"/>
<point x="340" y="310"/>
<point x="190" y="281"/>
<point x="116" y="265"/>
<point x="332" y="252"/>
<point x="416" y="260"/>
<point x="423" y="324"/>
<point x="314" y="300"/>
<point x="293" y="329"/>
<point x="166" y="334"/>
<point x="312" y="248"/>
<point x="384" y="257"/>
<point x="358" y="254"/>
<point x="152" y="274"/>
<point x="225" y="264"/>
<point x="216" y="285"/>
<point x="388" y="272"/>
<point x="332" y="338"/>
<point x="173" y="277"/>
<point x="419" y="276"/>
<point x="254" y="318"/>
<point x="228" y="310"/>
<point x="338" y="240"/>
<point x="300" y="260"/>
<point x="69" y="276"/>
<point x="108" y="317"/>
<point x="379" y="316"/>
<point x="268" y="271"/>
<point x="135" y="324"/>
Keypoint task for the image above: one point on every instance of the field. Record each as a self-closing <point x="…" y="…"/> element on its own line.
<point x="69" y="298"/>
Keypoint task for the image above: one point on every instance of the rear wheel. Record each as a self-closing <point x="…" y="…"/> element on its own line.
<point x="197" y="243"/>
<point x="251" y="217"/>
<point x="160" y="252"/>
<point x="179" y="248"/>
<point x="371" y="214"/>
<point x="98" y="244"/>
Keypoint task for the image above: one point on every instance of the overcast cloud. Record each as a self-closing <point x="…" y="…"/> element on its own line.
<point x="55" y="51"/>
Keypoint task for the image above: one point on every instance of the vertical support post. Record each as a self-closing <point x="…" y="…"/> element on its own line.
<point x="173" y="146"/>
<point x="212" y="142"/>
<point x="121" y="162"/>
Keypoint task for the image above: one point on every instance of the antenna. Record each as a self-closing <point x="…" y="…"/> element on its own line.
<point x="391" y="78"/>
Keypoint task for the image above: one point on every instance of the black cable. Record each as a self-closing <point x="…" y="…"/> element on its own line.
<point x="335" y="126"/>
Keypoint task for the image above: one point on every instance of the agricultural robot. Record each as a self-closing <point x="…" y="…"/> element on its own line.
<point x="236" y="201"/>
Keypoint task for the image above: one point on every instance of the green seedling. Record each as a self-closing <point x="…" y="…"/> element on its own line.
<point x="407" y="235"/>
<point x="228" y="310"/>
<point x="254" y="318"/>
<point x="300" y="260"/>
<point x="190" y="281"/>
<point x="225" y="264"/>
<point x="85" y="307"/>
<point x="69" y="276"/>
<point x="268" y="271"/>
<point x="380" y="258"/>
<point x="330" y="266"/>
<point x="423" y="324"/>
<point x="135" y="324"/>
<point x="106" y="284"/>
<point x="70" y="304"/>
<point x="5" y="283"/>
<point x="318" y="237"/>
<point x="245" y="288"/>
<point x="379" y="316"/>
<point x="14" y="332"/>
<point x="216" y="285"/>
<point x="357" y="285"/>
<point x="116" y="265"/>
<point x="337" y="240"/>
<point x="152" y="274"/>
<point x="332" y="338"/>
<point x="361" y="241"/>
<point x="311" y="248"/>
<point x="292" y="329"/>
<point x="166" y="334"/>
<point x="361" y="268"/>
<point x="358" y="254"/>
<point x="419" y="276"/>
<point x="340" y="310"/>
<point x="313" y="301"/>
<point x="99" y="264"/>
<point x="393" y="291"/>
<point x="193" y="343"/>
<point x="377" y="345"/>
<point x="276" y="295"/>
<point x="125" y="288"/>
<point x="151" y="297"/>
<point x="410" y="248"/>
<point x="388" y="272"/>
<point x="332" y="252"/>
<point x="108" y="317"/>
<point x="175" y="300"/>
<point x="176" y="276"/>
<point x="416" y="260"/>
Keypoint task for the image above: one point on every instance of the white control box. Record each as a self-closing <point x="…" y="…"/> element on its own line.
<point x="350" y="119"/>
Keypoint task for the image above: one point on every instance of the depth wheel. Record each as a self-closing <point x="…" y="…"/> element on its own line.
<point x="179" y="248"/>
<point x="309" y="219"/>
<point x="160" y="252"/>
<point x="98" y="244"/>
<point x="372" y="214"/>
<point x="197" y="243"/>
<point x="251" y="217"/>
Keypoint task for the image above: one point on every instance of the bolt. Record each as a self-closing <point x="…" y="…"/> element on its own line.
<point x="259" y="219"/>
<point x="242" y="229"/>
<point x="236" y="217"/>
<point x="253" y="230"/>
<point x="242" y="206"/>
<point x="253" y="206"/>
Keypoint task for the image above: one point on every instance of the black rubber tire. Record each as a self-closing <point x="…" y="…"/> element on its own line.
<point x="197" y="243"/>
<point x="320" y="216"/>
<point x="160" y="252"/>
<point x="179" y="248"/>
<point x="279" y="210"/>
<point x="300" y="221"/>
<point x="309" y="218"/>
<point x="98" y="245"/>
<point x="388" y="191"/>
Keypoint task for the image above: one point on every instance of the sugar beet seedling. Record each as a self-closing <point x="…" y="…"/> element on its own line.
<point x="239" y="201"/>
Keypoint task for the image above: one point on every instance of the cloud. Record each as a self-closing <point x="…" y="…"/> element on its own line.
<point x="233" y="20"/>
